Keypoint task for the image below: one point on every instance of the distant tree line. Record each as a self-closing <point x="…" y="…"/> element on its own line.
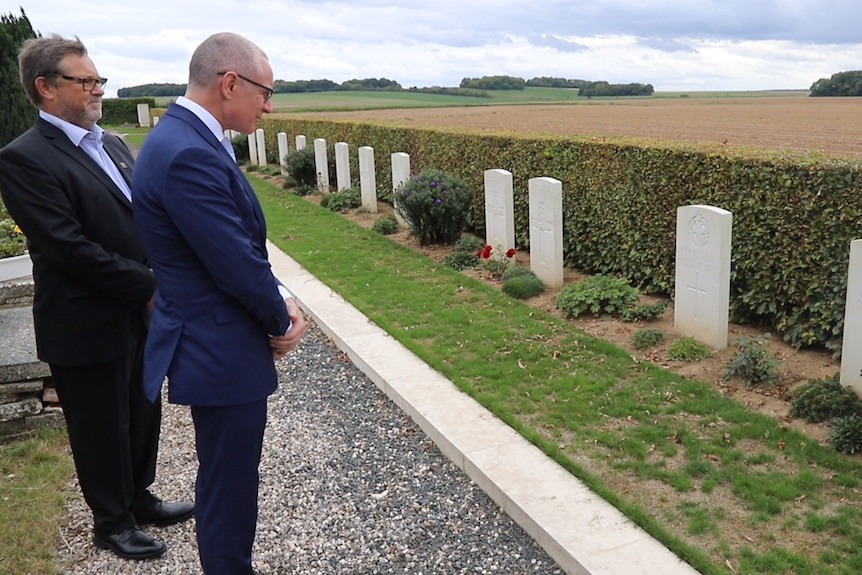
<point x="591" y="89"/>
<point x="152" y="90"/>
<point x="473" y="87"/>
<point x="840" y="84"/>
<point x="494" y="83"/>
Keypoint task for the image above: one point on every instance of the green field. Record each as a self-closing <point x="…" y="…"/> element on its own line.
<point x="365" y="100"/>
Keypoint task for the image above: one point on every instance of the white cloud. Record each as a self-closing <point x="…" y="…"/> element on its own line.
<point x="672" y="44"/>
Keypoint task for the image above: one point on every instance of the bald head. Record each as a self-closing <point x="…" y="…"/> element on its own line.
<point x="222" y="52"/>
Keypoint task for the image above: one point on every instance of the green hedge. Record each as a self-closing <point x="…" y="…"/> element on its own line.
<point x="117" y="111"/>
<point x="794" y="215"/>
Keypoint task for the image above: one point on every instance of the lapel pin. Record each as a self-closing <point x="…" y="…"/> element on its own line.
<point x="124" y="166"/>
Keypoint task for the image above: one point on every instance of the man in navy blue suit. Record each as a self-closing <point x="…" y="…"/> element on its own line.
<point x="220" y="316"/>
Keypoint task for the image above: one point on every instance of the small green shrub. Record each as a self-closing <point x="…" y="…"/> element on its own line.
<point x="342" y="200"/>
<point x="596" y="294"/>
<point x="470" y="244"/>
<point x="523" y="286"/>
<point x="515" y="271"/>
<point x="688" y="349"/>
<point x="436" y="205"/>
<point x="644" y="312"/>
<point x="752" y="361"/>
<point x="301" y="167"/>
<point x="647" y="337"/>
<point x="304" y="190"/>
<point x="822" y="399"/>
<point x="385" y="225"/>
<point x="845" y="434"/>
<point x="461" y="260"/>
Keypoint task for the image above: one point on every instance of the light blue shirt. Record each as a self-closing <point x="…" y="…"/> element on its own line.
<point x="91" y="142"/>
<point x="209" y="121"/>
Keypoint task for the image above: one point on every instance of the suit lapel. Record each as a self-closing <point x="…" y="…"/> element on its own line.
<point x="117" y="154"/>
<point x="59" y="140"/>
<point x="190" y="118"/>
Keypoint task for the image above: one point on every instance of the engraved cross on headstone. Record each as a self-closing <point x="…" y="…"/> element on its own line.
<point x="697" y="291"/>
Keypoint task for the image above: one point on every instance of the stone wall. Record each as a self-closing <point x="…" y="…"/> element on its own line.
<point x="27" y="400"/>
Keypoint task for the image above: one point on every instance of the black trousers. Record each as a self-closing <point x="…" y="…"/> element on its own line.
<point x="114" y="434"/>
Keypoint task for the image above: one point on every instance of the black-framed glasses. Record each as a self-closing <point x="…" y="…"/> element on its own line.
<point x="88" y="84"/>
<point x="268" y="92"/>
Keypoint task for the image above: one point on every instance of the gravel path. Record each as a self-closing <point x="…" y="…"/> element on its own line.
<point x="349" y="484"/>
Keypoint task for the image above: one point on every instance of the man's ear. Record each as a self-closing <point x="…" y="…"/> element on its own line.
<point x="47" y="89"/>
<point x="228" y="85"/>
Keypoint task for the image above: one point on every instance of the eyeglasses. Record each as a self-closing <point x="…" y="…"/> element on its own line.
<point x="268" y="92"/>
<point x="88" y="84"/>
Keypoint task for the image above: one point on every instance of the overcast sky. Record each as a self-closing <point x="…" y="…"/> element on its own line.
<point x="671" y="44"/>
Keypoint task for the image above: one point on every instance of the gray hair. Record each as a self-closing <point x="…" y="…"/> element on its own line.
<point x="42" y="57"/>
<point x="223" y="52"/>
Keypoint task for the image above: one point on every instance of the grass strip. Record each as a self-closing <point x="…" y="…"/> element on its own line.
<point x="33" y="473"/>
<point x="726" y="489"/>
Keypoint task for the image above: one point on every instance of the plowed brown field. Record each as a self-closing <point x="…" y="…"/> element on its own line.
<point x="796" y="123"/>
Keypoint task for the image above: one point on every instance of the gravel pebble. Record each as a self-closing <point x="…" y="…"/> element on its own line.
<point x="349" y="484"/>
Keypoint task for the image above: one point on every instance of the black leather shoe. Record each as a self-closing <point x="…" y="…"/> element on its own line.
<point x="158" y="512"/>
<point x="131" y="543"/>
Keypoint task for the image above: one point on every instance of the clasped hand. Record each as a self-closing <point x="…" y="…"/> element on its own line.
<point x="282" y="344"/>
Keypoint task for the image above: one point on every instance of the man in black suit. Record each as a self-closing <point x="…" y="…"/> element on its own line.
<point x="66" y="182"/>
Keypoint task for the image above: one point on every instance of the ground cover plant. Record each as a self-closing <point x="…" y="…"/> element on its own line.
<point x="727" y="489"/>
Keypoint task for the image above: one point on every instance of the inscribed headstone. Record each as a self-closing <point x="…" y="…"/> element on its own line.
<point x="252" y="148"/>
<point x="321" y="163"/>
<point x="367" y="178"/>
<point x="261" y="147"/>
<point x="400" y="174"/>
<point x="851" y="346"/>
<point x="300" y="142"/>
<point x="499" y="210"/>
<point x="282" y="151"/>
<point x="342" y="166"/>
<point x="702" y="284"/>
<point x="144" y="115"/>
<point x="546" y="230"/>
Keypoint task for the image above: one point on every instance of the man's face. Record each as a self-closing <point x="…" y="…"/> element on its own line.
<point x="69" y="100"/>
<point x="251" y="101"/>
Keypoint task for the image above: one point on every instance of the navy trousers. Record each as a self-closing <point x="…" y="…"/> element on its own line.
<point x="229" y="440"/>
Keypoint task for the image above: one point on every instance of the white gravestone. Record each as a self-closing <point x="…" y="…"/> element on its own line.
<point x="342" y="166"/>
<point x="321" y="163"/>
<point x="702" y="284"/>
<point x="261" y="147"/>
<point x="499" y="210"/>
<point x="367" y="178"/>
<point x="144" y="115"/>
<point x="155" y="120"/>
<point x="300" y="142"/>
<point x="546" y="230"/>
<point x="283" y="150"/>
<point x="851" y="358"/>
<point x="252" y="148"/>
<point x="400" y="174"/>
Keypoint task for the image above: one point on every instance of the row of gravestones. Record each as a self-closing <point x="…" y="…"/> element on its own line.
<point x="703" y="244"/>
